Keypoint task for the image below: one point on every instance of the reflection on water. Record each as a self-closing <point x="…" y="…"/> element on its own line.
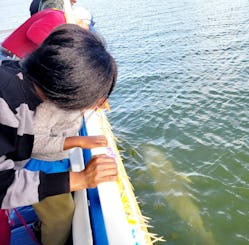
<point x="182" y="91"/>
<point x="171" y="185"/>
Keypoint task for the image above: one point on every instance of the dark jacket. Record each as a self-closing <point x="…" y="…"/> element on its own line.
<point x="18" y="102"/>
<point x="34" y="6"/>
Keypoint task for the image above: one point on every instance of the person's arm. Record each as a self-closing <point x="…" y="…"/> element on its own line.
<point x="47" y="144"/>
<point x="86" y="142"/>
<point x="51" y="126"/>
<point x="101" y="168"/>
<point x="22" y="187"/>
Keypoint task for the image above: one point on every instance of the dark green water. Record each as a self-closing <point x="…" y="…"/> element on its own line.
<point x="180" y="112"/>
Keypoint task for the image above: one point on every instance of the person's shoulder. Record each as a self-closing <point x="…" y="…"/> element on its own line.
<point x="10" y="84"/>
<point x="53" y="15"/>
<point x="48" y="106"/>
<point x="34" y="6"/>
<point x="48" y="13"/>
<point x="8" y="70"/>
<point x="12" y="66"/>
<point x="51" y="4"/>
<point x="15" y="89"/>
<point x="53" y="12"/>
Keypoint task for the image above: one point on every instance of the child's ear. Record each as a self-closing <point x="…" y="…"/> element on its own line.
<point x="40" y="92"/>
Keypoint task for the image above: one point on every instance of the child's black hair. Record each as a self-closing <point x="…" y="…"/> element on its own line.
<point x="72" y="67"/>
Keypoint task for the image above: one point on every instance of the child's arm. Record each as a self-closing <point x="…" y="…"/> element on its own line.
<point x="85" y="142"/>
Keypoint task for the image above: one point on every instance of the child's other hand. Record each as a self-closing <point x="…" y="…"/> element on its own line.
<point x="89" y="142"/>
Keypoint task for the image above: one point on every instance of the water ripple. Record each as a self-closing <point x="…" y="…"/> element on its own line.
<point x="183" y="89"/>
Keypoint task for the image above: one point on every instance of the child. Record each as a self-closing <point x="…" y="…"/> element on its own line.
<point x="53" y="138"/>
<point x="50" y="154"/>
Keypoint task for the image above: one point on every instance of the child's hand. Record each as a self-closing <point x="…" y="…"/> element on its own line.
<point x="93" y="141"/>
<point x="101" y="168"/>
<point x="106" y="105"/>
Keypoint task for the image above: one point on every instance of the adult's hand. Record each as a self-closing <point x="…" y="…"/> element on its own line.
<point x="100" y="168"/>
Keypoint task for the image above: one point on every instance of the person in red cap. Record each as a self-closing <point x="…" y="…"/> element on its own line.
<point x="28" y="36"/>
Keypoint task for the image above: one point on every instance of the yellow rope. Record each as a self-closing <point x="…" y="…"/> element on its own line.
<point x="131" y="207"/>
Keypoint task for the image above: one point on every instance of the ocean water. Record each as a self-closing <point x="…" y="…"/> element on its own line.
<point x="180" y="110"/>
